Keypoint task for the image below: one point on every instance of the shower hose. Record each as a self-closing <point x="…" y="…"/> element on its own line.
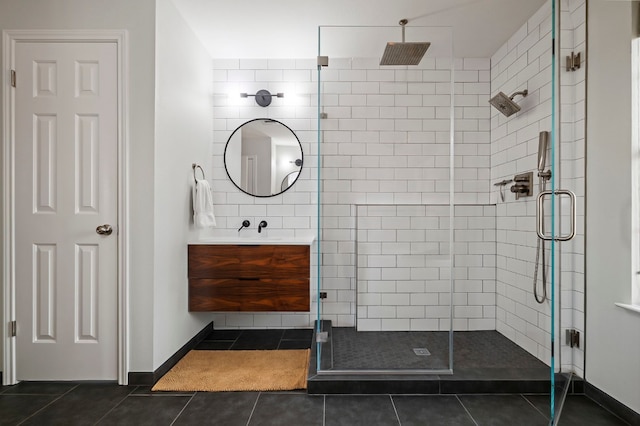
<point x="540" y="247"/>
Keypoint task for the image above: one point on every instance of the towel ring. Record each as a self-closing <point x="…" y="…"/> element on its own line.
<point x="195" y="166"/>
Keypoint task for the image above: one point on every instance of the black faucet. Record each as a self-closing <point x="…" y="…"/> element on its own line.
<point x="245" y="224"/>
<point x="261" y="225"/>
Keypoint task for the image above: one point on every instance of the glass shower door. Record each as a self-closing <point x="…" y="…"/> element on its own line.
<point x="566" y="199"/>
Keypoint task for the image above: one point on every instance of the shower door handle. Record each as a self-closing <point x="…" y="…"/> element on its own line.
<point x="540" y="215"/>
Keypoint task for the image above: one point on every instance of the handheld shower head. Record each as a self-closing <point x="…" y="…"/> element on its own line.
<point x="505" y="104"/>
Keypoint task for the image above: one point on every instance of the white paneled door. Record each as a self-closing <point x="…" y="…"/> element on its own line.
<point x="65" y="193"/>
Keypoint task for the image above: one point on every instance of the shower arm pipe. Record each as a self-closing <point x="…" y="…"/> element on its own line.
<point x="522" y="93"/>
<point x="402" y="23"/>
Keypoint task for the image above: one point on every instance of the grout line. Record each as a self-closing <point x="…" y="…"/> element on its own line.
<point x="395" y="410"/>
<point x="235" y="340"/>
<point x="183" y="408"/>
<point x="48" y="405"/>
<point x="254" y="408"/>
<point x="280" y="339"/>
<point x="465" y="409"/>
<point x="119" y="402"/>
<point x="545" y="415"/>
<point x="324" y="410"/>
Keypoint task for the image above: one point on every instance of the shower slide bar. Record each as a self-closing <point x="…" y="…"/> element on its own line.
<point x="540" y="215"/>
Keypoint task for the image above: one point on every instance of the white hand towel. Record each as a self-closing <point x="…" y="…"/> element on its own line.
<point x="203" y="216"/>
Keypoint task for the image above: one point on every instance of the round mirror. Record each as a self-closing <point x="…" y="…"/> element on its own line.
<point x="263" y="157"/>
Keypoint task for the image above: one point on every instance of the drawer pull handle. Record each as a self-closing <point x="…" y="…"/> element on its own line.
<point x="249" y="279"/>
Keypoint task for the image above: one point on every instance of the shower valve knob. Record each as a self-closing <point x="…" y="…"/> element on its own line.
<point x="519" y="189"/>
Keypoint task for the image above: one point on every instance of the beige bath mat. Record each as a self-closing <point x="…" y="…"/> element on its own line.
<point x="223" y="371"/>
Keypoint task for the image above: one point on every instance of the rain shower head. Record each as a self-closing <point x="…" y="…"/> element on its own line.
<point x="505" y="104"/>
<point x="404" y="53"/>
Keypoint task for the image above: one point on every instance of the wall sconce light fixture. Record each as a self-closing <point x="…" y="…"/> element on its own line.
<point x="263" y="97"/>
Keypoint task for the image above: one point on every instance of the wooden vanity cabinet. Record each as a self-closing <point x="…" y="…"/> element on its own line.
<point x="250" y="278"/>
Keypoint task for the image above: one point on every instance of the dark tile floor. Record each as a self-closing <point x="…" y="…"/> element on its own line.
<point x="30" y="403"/>
<point x="56" y="403"/>
<point x="257" y="339"/>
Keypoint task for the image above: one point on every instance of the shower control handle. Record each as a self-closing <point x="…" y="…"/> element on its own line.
<point x="523" y="185"/>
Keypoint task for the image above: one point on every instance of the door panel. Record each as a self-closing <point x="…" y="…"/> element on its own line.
<point x="66" y="186"/>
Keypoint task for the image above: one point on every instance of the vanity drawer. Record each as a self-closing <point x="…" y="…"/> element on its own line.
<point x="249" y="295"/>
<point x="248" y="261"/>
<point x="249" y="278"/>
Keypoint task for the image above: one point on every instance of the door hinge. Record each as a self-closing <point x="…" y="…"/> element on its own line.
<point x="573" y="338"/>
<point x="322" y="61"/>
<point x="573" y="61"/>
<point x="13" y="78"/>
<point x="323" y="295"/>
<point x="13" y="328"/>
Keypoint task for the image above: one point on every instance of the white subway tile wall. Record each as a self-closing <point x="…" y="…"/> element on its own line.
<point x="521" y="63"/>
<point x="386" y="159"/>
<point x="524" y="62"/>
<point x="404" y="262"/>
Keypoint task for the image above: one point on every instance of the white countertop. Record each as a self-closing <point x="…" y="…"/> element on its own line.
<point x="251" y="240"/>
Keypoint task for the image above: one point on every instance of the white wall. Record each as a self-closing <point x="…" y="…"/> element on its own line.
<point x="139" y="21"/>
<point x="182" y="136"/>
<point x="613" y="339"/>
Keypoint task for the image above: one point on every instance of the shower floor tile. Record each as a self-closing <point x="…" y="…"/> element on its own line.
<point x="385" y="362"/>
<point x="474" y="352"/>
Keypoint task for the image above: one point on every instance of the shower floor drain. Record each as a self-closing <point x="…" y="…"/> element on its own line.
<point x="421" y="351"/>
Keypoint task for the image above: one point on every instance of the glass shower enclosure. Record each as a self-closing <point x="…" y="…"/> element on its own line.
<point x="428" y="242"/>
<point x="385" y="200"/>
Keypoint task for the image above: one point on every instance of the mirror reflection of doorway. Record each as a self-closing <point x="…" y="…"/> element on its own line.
<point x="250" y="173"/>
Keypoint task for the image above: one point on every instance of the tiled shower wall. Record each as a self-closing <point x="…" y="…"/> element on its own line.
<point x="404" y="268"/>
<point x="524" y="62"/>
<point x="386" y="145"/>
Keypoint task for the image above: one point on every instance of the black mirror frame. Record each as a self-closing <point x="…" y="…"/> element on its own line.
<point x="224" y="157"/>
